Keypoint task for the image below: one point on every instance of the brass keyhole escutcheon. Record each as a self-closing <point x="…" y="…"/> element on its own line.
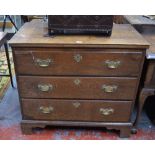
<point x="77" y="82"/>
<point x="78" y="58"/>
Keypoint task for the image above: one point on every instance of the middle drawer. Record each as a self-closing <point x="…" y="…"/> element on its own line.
<point x="121" y="88"/>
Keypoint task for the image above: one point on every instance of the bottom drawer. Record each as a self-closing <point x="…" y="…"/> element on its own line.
<point x="76" y="110"/>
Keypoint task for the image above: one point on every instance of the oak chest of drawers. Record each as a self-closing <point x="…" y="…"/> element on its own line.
<point x="78" y="80"/>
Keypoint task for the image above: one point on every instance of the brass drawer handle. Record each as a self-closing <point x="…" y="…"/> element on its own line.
<point x="76" y="104"/>
<point x="77" y="57"/>
<point x="46" y="110"/>
<point x="106" y="111"/>
<point x="45" y="87"/>
<point x="109" y="88"/>
<point x="43" y="63"/>
<point x="112" y="64"/>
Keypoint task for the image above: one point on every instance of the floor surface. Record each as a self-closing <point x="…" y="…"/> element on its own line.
<point x="10" y="118"/>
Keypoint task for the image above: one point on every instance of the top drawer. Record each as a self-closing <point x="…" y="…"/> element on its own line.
<point x="66" y="61"/>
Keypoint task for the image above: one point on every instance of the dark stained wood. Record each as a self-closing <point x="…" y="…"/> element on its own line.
<point x="83" y="24"/>
<point x="93" y="61"/>
<point x="27" y="128"/>
<point x="125" y="132"/>
<point x="33" y="34"/>
<point x="120" y="19"/>
<point x="77" y="110"/>
<point x="72" y="80"/>
<point x="28" y="125"/>
<point x="88" y="87"/>
<point x="150" y="75"/>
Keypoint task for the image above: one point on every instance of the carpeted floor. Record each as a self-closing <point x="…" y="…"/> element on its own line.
<point x="10" y="118"/>
<point x="4" y="81"/>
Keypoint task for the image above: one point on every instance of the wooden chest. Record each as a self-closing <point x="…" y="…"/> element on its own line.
<point x="86" y="81"/>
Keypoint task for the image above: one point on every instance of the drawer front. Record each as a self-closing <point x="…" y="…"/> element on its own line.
<point x="76" y="110"/>
<point x="77" y="87"/>
<point x="105" y="62"/>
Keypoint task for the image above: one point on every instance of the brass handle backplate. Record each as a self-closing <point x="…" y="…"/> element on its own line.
<point x="76" y="104"/>
<point x="77" y="57"/>
<point x="109" y="88"/>
<point x="112" y="64"/>
<point x="106" y="111"/>
<point x="43" y="63"/>
<point x="45" y="87"/>
<point x="46" y="110"/>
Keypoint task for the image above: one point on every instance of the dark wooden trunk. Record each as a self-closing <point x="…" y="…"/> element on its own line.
<point x="80" y="24"/>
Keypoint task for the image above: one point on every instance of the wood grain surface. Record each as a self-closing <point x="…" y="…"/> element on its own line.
<point x="33" y="34"/>
<point x="88" y="110"/>
<point x="64" y="61"/>
<point x="85" y="88"/>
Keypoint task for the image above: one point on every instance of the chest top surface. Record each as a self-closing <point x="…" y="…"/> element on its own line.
<point x="33" y="34"/>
